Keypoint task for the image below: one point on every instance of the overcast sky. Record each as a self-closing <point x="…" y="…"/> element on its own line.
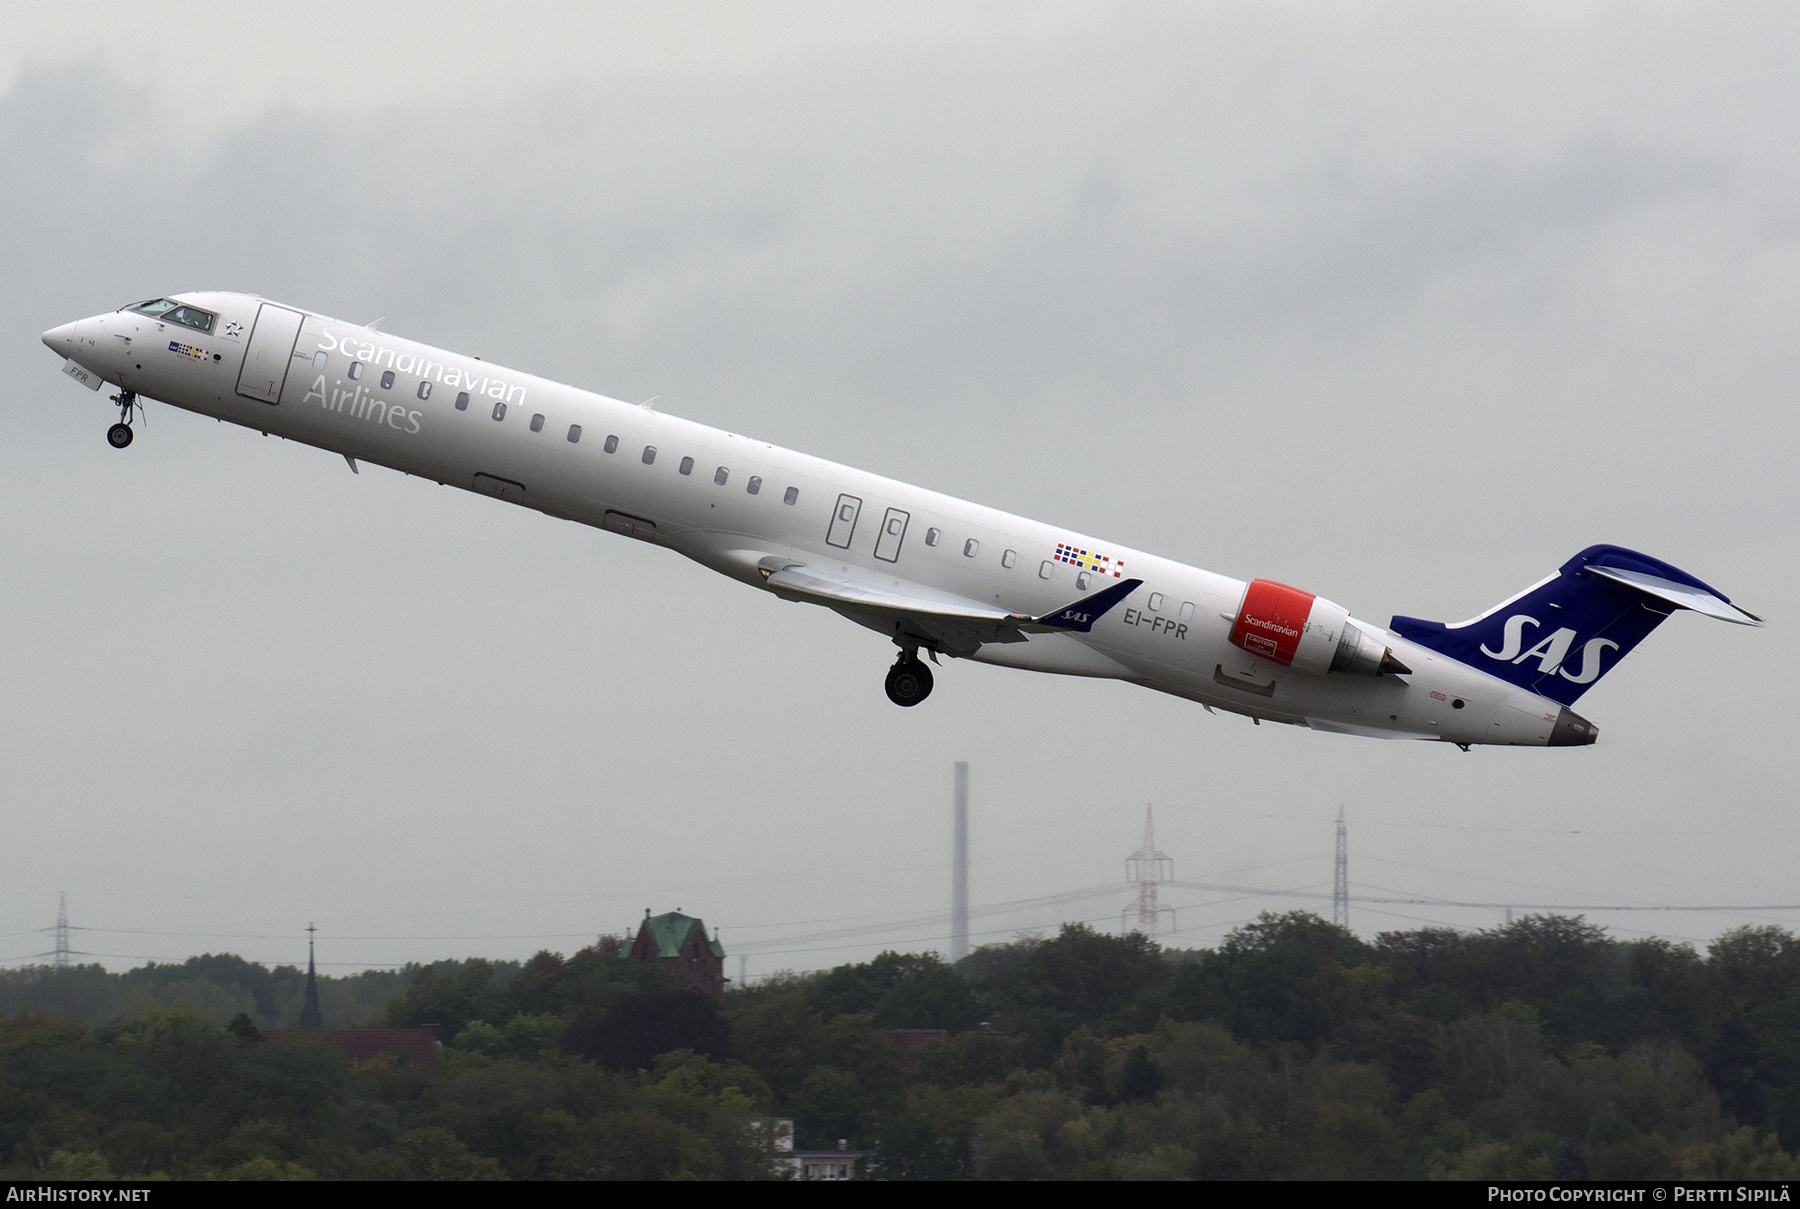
<point x="1401" y="304"/>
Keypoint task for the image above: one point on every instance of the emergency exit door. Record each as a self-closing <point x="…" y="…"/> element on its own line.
<point x="893" y="532"/>
<point x="843" y="522"/>
<point x="271" y="351"/>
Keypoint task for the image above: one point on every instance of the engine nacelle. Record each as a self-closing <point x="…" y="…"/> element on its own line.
<point x="1307" y="633"/>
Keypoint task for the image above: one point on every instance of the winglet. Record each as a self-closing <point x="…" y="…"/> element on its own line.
<point x="1082" y="615"/>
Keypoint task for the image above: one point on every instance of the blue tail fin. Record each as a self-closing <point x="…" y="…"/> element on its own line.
<point x="1559" y="636"/>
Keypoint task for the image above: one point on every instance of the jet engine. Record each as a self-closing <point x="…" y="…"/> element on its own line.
<point x="1307" y="633"/>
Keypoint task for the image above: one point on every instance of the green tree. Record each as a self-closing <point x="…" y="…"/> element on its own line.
<point x="898" y="990"/>
<point x="434" y="1153"/>
<point x="1140" y="1078"/>
<point x="1283" y="978"/>
<point x="450" y="1001"/>
<point x="1754" y="1055"/>
<point x="1082" y="977"/>
<point x="634" y="1030"/>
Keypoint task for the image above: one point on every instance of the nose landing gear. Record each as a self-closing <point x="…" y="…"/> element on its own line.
<point x="119" y="435"/>
<point x="908" y="681"/>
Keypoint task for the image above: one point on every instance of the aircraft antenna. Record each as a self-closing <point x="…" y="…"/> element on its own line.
<point x="1340" y="885"/>
<point x="959" y="867"/>
<point x="62" y="929"/>
<point x="1147" y="867"/>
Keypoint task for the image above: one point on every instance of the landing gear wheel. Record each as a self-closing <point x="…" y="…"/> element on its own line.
<point x="908" y="682"/>
<point x="119" y="435"/>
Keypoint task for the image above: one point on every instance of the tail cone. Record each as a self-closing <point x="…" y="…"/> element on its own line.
<point x="1572" y="730"/>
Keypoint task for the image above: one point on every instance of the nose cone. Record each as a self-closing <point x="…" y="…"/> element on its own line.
<point x="61" y="340"/>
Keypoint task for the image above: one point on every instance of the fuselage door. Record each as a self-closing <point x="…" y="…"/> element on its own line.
<point x="843" y="522"/>
<point x="271" y="349"/>
<point x="893" y="532"/>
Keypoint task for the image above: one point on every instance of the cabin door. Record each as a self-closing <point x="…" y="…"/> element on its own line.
<point x="271" y="350"/>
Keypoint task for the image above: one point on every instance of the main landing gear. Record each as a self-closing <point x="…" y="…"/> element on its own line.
<point x="909" y="680"/>
<point x="119" y="435"/>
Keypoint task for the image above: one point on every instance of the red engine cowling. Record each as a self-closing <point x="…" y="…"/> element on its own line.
<point x="1308" y="633"/>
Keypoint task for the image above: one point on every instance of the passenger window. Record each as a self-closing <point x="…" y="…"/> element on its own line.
<point x="932" y="535"/>
<point x="537" y="422"/>
<point x="424" y="390"/>
<point x="1156" y="602"/>
<point x="1187" y="610"/>
<point x="1081" y="582"/>
<point x="1009" y="558"/>
<point x="612" y="445"/>
<point x="319" y="359"/>
<point x="971" y="548"/>
<point x="649" y="454"/>
<point x="574" y="433"/>
<point x="356" y="368"/>
<point x="499" y="411"/>
<point x="720" y="475"/>
<point x="755" y="484"/>
<point x="687" y="465"/>
<point x="462" y="400"/>
<point x="1044" y="569"/>
<point x="387" y="380"/>
<point x="790" y="495"/>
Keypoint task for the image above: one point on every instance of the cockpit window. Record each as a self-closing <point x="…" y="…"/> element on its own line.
<point x="191" y="317"/>
<point x="174" y="312"/>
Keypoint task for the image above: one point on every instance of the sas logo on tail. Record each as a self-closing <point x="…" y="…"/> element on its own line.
<point x="1550" y="651"/>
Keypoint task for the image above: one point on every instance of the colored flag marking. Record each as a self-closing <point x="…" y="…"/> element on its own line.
<point x="1087" y="560"/>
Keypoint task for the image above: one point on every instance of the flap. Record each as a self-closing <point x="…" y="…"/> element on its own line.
<point x="955" y="623"/>
<point x="798" y="579"/>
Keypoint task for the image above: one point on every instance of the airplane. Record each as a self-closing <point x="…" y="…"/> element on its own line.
<point x="932" y="573"/>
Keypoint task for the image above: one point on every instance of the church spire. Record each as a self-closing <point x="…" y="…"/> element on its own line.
<point x="309" y="1007"/>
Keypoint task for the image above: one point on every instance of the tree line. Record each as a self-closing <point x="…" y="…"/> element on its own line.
<point x="1542" y="1049"/>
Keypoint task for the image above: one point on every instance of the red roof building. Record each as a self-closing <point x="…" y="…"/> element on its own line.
<point x="909" y="1041"/>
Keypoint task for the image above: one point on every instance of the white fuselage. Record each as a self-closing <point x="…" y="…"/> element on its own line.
<point x="511" y="438"/>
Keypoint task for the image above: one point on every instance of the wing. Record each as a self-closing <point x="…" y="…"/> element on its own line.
<point x="936" y="619"/>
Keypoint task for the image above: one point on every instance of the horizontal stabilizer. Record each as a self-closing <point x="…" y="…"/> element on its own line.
<point x="1682" y="596"/>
